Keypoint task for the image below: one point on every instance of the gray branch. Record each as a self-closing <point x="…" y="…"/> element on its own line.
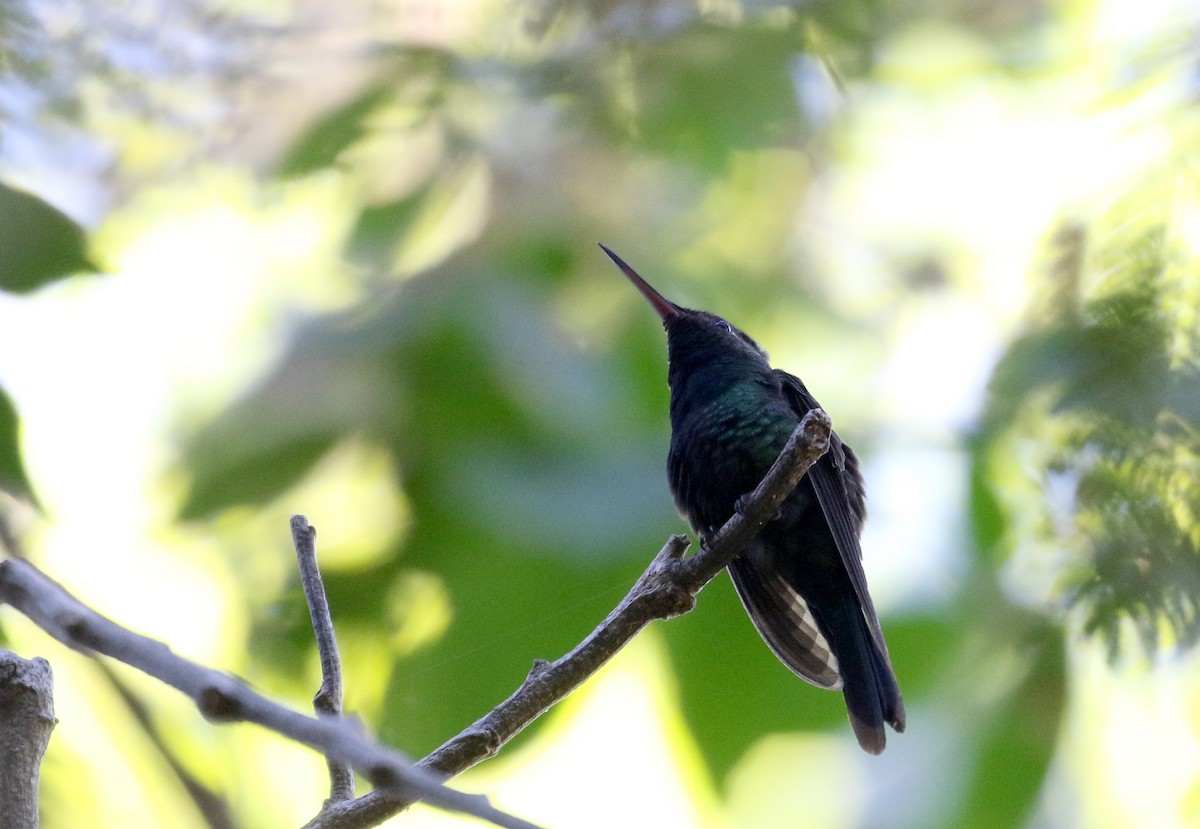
<point x="223" y="698"/>
<point x="26" y="720"/>
<point x="328" y="701"/>
<point x="667" y="588"/>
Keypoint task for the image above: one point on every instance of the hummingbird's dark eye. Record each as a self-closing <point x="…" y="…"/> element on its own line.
<point x="724" y="326"/>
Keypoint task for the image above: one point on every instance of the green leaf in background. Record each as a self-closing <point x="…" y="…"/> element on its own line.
<point x="1137" y="508"/>
<point x="373" y="237"/>
<point x="264" y="443"/>
<point x="1108" y="388"/>
<point x="734" y="690"/>
<point x="1020" y="735"/>
<point x="1112" y="361"/>
<point x="509" y="609"/>
<point x="326" y="139"/>
<point x="732" y="687"/>
<point x="38" y="242"/>
<point x="258" y="473"/>
<point x="738" y="79"/>
<point x="414" y="80"/>
<point x="12" y="471"/>
<point x="988" y="521"/>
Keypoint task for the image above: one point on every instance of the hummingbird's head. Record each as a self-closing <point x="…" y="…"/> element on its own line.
<point x="698" y="340"/>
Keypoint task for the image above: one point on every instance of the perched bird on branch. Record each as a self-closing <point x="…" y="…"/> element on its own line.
<point x="801" y="580"/>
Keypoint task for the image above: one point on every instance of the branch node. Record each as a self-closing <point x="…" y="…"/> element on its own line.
<point x="491" y="741"/>
<point x="302" y="529"/>
<point x="484" y="739"/>
<point x="72" y="624"/>
<point x="218" y="704"/>
<point x="675" y="547"/>
<point x="382" y="776"/>
<point x="327" y="701"/>
<point x="675" y="600"/>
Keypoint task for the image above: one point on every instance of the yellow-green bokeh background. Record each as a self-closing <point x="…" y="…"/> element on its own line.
<point x="347" y="268"/>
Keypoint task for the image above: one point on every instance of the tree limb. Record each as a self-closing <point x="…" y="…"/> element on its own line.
<point x="26" y="720"/>
<point x="223" y="698"/>
<point x="667" y="588"/>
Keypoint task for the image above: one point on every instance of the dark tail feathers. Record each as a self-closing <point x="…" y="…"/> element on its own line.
<point x="868" y="683"/>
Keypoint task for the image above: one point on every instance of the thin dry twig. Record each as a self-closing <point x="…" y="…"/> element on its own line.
<point x="210" y="805"/>
<point x="667" y="588"/>
<point x="328" y="700"/>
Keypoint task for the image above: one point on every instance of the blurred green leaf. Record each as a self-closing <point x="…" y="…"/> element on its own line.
<point x="919" y="647"/>
<point x="373" y="238"/>
<point x="1019" y="739"/>
<point x="413" y="80"/>
<point x="38" y="243"/>
<point x="1139" y="513"/>
<point x="12" y="470"/>
<point x="710" y="91"/>
<point x="734" y="690"/>
<point x="988" y="520"/>
<point x="265" y="443"/>
<point x="510" y="608"/>
<point x="326" y="139"/>
<point x="1110" y="393"/>
<point x="1110" y="362"/>
<point x="732" y="687"/>
<point x="256" y="475"/>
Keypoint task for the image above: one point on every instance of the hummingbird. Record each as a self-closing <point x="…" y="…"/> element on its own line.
<point x="801" y="580"/>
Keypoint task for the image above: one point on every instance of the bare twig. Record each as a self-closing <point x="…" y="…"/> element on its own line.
<point x="223" y="698"/>
<point x="26" y="720"/>
<point x="209" y="804"/>
<point x="328" y="700"/>
<point x="667" y="588"/>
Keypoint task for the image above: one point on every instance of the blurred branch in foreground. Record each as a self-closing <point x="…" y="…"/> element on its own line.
<point x="221" y="698"/>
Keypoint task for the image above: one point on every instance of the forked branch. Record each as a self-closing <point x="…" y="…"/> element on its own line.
<point x="667" y="588"/>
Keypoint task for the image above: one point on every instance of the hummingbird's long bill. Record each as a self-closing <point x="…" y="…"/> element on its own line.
<point x="662" y="305"/>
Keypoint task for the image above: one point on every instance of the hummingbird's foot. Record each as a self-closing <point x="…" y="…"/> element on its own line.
<point x="742" y="504"/>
